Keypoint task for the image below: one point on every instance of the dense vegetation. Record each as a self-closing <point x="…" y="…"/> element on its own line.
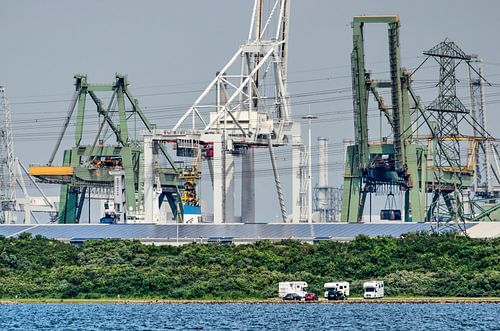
<point x="418" y="265"/>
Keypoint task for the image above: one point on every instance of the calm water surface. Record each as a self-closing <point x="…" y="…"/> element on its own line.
<point x="250" y="317"/>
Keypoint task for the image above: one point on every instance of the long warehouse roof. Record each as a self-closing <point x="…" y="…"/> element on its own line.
<point x="213" y="232"/>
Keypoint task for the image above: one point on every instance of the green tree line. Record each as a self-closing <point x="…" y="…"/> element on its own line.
<point x="416" y="265"/>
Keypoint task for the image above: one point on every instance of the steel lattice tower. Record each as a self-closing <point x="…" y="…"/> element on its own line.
<point x="447" y="106"/>
<point x="7" y="163"/>
<point x="448" y="111"/>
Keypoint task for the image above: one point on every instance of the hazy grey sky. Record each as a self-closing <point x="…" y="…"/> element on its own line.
<point x="171" y="49"/>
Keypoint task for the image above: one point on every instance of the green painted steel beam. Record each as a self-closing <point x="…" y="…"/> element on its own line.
<point x="122" y="113"/>
<point x="129" y="151"/>
<point x="360" y="94"/>
<point x="79" y="205"/>
<point x="416" y="190"/>
<point x="67" y="199"/>
<point x="436" y="176"/>
<point x="128" y="168"/>
<point x="352" y="205"/>
<point x="376" y="19"/>
<point x="398" y="107"/>
<point x="106" y="150"/>
<point x="100" y="88"/>
<point x="486" y="212"/>
<point x="409" y="157"/>
<point x="381" y="149"/>
<point x="101" y="111"/>
<point x="149" y="126"/>
<point x="80" y="116"/>
<point x="380" y="84"/>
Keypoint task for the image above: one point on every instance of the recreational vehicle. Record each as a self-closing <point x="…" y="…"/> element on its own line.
<point x="337" y="286"/>
<point x="373" y="289"/>
<point x="292" y="287"/>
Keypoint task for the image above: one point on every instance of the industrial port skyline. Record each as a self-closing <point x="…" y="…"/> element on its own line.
<point x="170" y="51"/>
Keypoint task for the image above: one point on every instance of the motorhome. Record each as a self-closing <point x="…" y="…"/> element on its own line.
<point x="373" y="289"/>
<point x="338" y="286"/>
<point x="292" y="287"/>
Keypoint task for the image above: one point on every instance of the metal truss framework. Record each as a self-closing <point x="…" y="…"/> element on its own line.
<point x="370" y="166"/>
<point x="115" y="167"/>
<point x="487" y="182"/>
<point x="327" y="202"/>
<point x="415" y="169"/>
<point x="448" y="110"/>
<point x="470" y="172"/>
<point x="252" y="103"/>
<point x="11" y="178"/>
<point x="247" y="104"/>
<point x="7" y="163"/>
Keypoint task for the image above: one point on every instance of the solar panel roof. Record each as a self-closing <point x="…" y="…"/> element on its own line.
<point x="195" y="232"/>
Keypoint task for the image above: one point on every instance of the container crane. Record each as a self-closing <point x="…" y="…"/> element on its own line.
<point x="114" y="169"/>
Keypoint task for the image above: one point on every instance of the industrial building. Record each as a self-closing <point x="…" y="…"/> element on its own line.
<point x="180" y="234"/>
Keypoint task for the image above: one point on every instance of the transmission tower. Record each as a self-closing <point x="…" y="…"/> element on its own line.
<point x="448" y="111"/>
<point x="7" y="163"/>
<point x="447" y="105"/>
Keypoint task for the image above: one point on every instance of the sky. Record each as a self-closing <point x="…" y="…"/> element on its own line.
<point x="172" y="49"/>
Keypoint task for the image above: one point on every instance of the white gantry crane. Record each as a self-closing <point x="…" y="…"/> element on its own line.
<point x="246" y="106"/>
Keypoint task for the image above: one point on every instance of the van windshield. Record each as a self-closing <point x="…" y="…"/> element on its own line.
<point x="370" y="289"/>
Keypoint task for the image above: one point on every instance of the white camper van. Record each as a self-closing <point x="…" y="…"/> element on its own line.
<point x="292" y="287"/>
<point x="373" y="289"/>
<point x="338" y="286"/>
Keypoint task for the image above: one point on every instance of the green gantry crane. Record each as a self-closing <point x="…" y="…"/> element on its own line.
<point x="401" y="163"/>
<point x="91" y="166"/>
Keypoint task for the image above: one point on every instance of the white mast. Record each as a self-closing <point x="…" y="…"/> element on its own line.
<point x="7" y="163"/>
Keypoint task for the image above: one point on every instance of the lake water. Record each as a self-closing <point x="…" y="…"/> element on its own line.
<point x="250" y="317"/>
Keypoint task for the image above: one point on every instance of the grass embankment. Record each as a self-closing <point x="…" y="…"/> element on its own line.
<point x="418" y="267"/>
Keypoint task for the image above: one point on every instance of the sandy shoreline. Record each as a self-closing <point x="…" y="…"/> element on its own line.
<point x="388" y="300"/>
